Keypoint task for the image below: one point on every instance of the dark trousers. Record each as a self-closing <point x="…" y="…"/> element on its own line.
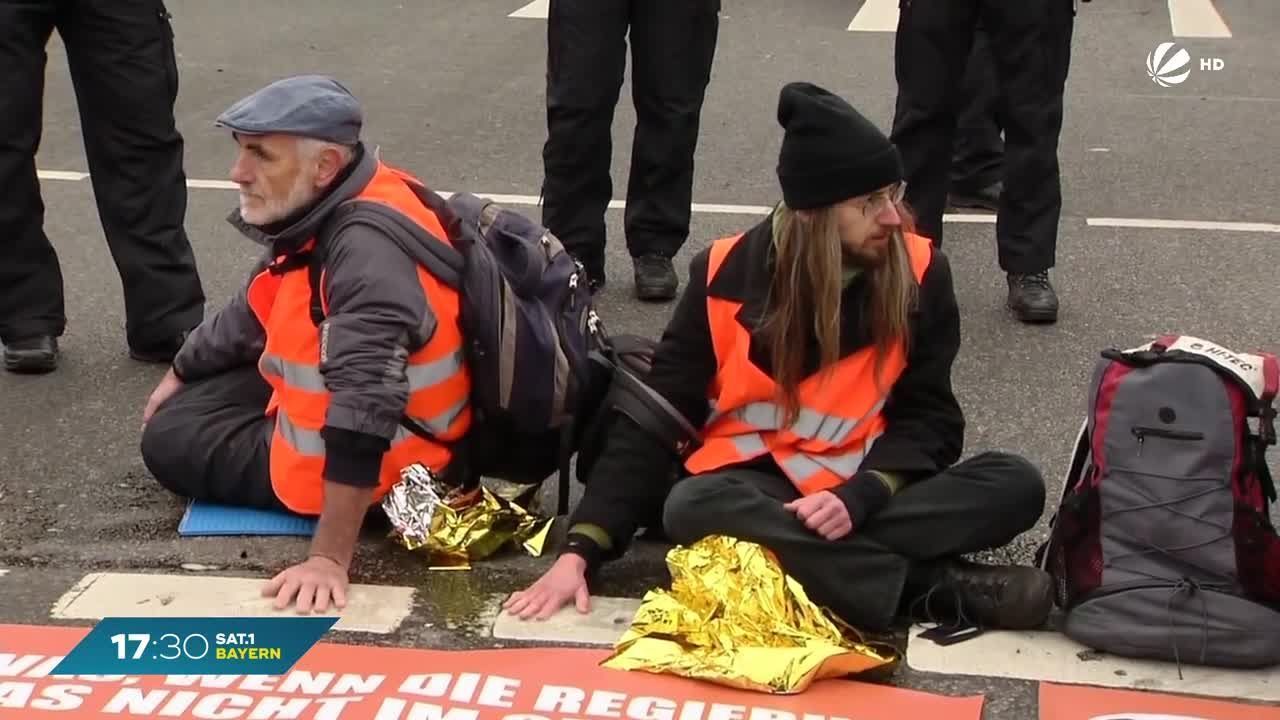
<point x="211" y="441"/>
<point x="978" y="504"/>
<point x="1031" y="47"/>
<point x="979" y="146"/>
<point x="672" y="46"/>
<point x="121" y="55"/>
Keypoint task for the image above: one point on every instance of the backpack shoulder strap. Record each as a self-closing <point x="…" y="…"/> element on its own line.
<point x="443" y="261"/>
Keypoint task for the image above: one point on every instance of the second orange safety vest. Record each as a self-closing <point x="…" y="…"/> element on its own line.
<point x="439" y="384"/>
<point x="840" y="414"/>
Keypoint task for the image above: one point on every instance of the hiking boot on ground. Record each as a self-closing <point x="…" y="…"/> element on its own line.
<point x="1005" y="597"/>
<point x="31" y="355"/>
<point x="655" y="278"/>
<point x="1031" y="297"/>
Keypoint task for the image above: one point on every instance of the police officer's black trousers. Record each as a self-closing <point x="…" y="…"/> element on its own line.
<point x="979" y="147"/>
<point x="866" y="576"/>
<point x="121" y="56"/>
<point x="1031" y="45"/>
<point x="672" y="46"/>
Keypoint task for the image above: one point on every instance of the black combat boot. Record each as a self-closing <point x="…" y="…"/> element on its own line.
<point x="31" y="355"/>
<point x="1032" y="298"/>
<point x="655" y="278"/>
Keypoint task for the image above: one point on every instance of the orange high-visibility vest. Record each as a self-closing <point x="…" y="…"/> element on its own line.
<point x="439" y="383"/>
<point x="839" y="417"/>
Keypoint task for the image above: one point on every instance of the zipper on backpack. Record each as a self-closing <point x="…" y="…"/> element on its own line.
<point x="1141" y="432"/>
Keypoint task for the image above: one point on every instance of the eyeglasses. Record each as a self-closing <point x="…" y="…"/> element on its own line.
<point x="878" y="202"/>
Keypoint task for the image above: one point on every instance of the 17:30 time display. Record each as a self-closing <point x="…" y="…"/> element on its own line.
<point x="193" y="647"/>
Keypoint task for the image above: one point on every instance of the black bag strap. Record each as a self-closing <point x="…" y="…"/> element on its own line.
<point x="632" y="397"/>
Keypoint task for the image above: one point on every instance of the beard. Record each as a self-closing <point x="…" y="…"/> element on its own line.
<point x="273" y="209"/>
<point x="873" y="253"/>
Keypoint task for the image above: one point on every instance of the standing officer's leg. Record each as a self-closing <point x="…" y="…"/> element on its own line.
<point x="1031" y="42"/>
<point x="673" y="45"/>
<point x="31" y="305"/>
<point x="979" y="151"/>
<point x="586" y="56"/>
<point x="126" y="81"/>
<point x="930" y="50"/>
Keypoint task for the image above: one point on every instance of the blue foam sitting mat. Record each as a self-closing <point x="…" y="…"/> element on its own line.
<point x="203" y="518"/>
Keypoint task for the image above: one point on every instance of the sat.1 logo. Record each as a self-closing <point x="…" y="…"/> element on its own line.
<point x="1170" y="65"/>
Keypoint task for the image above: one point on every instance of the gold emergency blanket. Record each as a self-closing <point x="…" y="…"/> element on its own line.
<point x="452" y="527"/>
<point x="734" y="618"/>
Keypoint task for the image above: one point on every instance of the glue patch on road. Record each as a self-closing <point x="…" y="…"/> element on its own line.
<point x="370" y="608"/>
<point x="1052" y="657"/>
<point x="604" y="625"/>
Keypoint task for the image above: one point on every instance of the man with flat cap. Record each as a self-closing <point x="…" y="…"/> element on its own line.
<point x="290" y="400"/>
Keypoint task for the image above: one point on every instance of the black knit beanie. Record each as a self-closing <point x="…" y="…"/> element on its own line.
<point x="830" y="152"/>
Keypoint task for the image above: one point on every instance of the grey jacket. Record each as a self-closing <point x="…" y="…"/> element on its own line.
<point x="377" y="316"/>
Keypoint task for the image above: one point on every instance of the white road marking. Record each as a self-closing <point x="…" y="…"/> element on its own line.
<point x="370" y="608"/>
<point x="60" y="175"/>
<point x="1155" y="223"/>
<point x="1052" y="657"/>
<point x="212" y="184"/>
<point x="538" y="9"/>
<point x="1197" y="18"/>
<point x="984" y="218"/>
<point x="609" y="618"/>
<point x="1188" y="18"/>
<point x="3" y="572"/>
<point x="876" y="16"/>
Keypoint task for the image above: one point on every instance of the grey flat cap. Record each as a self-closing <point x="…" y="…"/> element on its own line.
<point x="313" y="106"/>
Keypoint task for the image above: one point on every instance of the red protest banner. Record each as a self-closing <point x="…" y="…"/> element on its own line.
<point x="1073" y="702"/>
<point x="346" y="682"/>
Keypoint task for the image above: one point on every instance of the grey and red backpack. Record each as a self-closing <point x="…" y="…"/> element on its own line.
<point x="1162" y="546"/>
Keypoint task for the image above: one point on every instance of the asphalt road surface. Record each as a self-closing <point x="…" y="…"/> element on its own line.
<point x="1170" y="224"/>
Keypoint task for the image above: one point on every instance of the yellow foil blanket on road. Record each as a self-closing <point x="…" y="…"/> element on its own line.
<point x="733" y="617"/>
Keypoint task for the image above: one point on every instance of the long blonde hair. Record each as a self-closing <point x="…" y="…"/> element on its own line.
<point x="804" y="298"/>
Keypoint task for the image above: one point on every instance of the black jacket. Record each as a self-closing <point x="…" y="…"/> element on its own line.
<point x="925" y="426"/>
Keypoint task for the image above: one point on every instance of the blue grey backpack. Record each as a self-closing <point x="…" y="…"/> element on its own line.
<point x="542" y="365"/>
<point x="1162" y="546"/>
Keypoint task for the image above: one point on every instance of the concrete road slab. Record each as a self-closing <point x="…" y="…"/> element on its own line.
<point x="1052" y="657"/>
<point x="604" y="624"/>
<point x="370" y="608"/>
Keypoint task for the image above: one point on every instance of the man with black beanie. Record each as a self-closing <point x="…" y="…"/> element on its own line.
<point x="811" y="431"/>
<point x="1030" y="41"/>
<point x="673" y="43"/>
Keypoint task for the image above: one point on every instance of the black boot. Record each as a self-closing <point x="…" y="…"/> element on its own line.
<point x="1032" y="298"/>
<point x="655" y="278"/>
<point x="1005" y="597"/>
<point x="31" y="355"/>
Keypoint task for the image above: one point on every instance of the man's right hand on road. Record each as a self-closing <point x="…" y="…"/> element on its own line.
<point x="169" y="384"/>
<point x="565" y="581"/>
